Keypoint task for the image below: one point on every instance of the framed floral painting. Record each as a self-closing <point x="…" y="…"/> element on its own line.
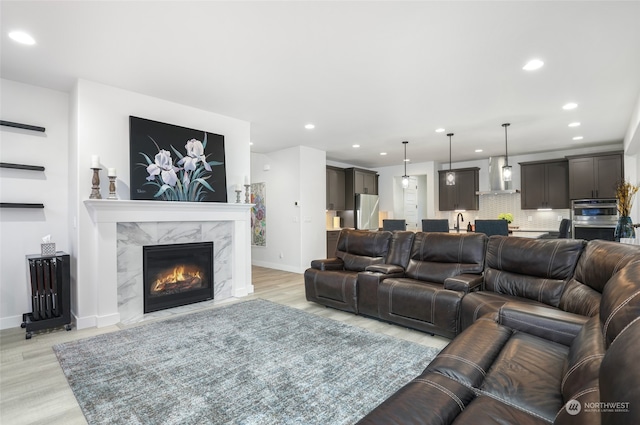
<point x="173" y="163"/>
<point x="259" y="214"/>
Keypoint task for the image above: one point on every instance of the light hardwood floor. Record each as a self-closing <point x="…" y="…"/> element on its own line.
<point x="33" y="389"/>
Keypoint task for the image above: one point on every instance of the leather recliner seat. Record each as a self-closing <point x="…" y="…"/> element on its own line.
<point x="333" y="281"/>
<point x="442" y="268"/>
<point x="568" y="275"/>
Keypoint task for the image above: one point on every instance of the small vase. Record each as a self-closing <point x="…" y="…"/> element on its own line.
<point x="624" y="229"/>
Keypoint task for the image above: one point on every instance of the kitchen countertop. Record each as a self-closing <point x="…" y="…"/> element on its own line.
<point x="521" y="233"/>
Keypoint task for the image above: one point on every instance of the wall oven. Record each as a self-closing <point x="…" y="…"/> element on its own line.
<point x="594" y="218"/>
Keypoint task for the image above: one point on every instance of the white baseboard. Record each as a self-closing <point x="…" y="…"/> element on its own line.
<point x="10" y="322"/>
<point x="277" y="266"/>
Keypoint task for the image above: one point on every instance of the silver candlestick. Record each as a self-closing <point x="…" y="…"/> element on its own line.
<point x="247" y="194"/>
<point x="95" y="184"/>
<point x="238" y="192"/>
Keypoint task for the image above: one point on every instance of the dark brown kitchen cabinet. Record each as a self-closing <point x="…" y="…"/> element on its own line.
<point x="462" y="195"/>
<point x="358" y="180"/>
<point x="595" y="176"/>
<point x="335" y="188"/>
<point x="545" y="184"/>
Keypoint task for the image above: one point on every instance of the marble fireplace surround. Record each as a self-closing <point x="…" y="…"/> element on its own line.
<point x="122" y="227"/>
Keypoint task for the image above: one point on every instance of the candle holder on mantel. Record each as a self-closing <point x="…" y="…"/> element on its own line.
<point x="95" y="184"/>
<point x="112" y="187"/>
<point x="247" y="194"/>
<point x="238" y="192"/>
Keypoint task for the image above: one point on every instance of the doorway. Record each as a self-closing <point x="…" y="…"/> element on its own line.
<point x="410" y="203"/>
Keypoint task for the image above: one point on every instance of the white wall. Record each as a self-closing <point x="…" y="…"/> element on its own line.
<point x="295" y="233"/>
<point x="21" y="229"/>
<point x="101" y="127"/>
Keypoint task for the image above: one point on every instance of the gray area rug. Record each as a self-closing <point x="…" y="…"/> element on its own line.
<point x="254" y="362"/>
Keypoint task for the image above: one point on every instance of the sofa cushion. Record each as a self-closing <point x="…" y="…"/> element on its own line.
<point x="437" y="256"/>
<point x="527" y="373"/>
<point x="400" y="248"/>
<point x="619" y="377"/>
<point x="486" y="410"/>
<point x="620" y="303"/>
<point x="336" y="289"/>
<point x="421" y="305"/>
<point x="469" y="359"/>
<point x="477" y="304"/>
<point x="599" y="261"/>
<point x="359" y="249"/>
<point x="583" y="362"/>
<point x="531" y="268"/>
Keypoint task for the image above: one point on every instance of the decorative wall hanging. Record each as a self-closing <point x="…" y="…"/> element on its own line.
<point x="173" y="163"/>
<point x="258" y="214"/>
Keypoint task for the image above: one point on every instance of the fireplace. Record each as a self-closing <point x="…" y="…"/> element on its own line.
<point x="177" y="274"/>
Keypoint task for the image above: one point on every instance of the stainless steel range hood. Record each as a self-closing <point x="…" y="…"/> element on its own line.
<point x="497" y="185"/>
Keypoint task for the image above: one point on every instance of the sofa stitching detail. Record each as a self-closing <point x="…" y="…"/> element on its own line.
<point x="433" y="305"/>
<point x="511" y="404"/>
<point x="575" y="397"/>
<point x="443" y="389"/>
<point x="625" y="328"/>
<point x="393" y="284"/>
<point x="462" y="359"/>
<point x="615" y="310"/>
<point x="576" y="366"/>
<point x="551" y="260"/>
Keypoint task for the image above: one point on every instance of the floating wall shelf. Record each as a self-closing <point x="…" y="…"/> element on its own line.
<point x="21" y="166"/>
<point x="19" y="205"/>
<point x="23" y="126"/>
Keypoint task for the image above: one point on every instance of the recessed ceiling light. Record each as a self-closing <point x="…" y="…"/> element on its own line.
<point x="309" y="126"/>
<point x="533" y="64"/>
<point x="478" y="150"/>
<point x="574" y="124"/>
<point x="569" y="106"/>
<point x="439" y="130"/>
<point x="22" y="37"/>
<point x="355" y="146"/>
<point x="383" y="153"/>
<point x="578" y="138"/>
<point x="407" y="160"/>
<point x="250" y="143"/>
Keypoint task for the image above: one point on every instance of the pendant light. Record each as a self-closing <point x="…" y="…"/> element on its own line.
<point x="507" y="170"/>
<point x="405" y="178"/>
<point x="451" y="176"/>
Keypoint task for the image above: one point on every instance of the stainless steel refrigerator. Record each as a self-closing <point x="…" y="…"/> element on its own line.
<point x="366" y="212"/>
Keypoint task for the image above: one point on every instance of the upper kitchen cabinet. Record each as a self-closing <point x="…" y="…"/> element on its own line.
<point x="335" y="188"/>
<point x="358" y="180"/>
<point x="545" y="184"/>
<point x="462" y="195"/>
<point x="595" y="176"/>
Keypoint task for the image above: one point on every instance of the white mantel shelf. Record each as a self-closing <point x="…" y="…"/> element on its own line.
<point x="99" y="267"/>
<point x="114" y="211"/>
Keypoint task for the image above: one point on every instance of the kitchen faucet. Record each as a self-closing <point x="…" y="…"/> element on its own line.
<point x="459" y="218"/>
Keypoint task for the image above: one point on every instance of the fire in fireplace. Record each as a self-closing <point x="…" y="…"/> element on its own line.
<point x="177" y="274"/>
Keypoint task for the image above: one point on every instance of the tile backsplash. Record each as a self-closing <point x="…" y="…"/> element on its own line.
<point x="492" y="205"/>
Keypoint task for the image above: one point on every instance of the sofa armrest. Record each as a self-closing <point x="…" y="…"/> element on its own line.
<point x="328" y="264"/>
<point x="385" y="269"/>
<point x="464" y="282"/>
<point x="545" y="322"/>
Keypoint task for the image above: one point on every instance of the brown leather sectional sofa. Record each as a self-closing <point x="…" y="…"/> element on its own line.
<point x="545" y="331"/>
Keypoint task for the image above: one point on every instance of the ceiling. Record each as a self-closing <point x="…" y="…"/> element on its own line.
<point x="367" y="73"/>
